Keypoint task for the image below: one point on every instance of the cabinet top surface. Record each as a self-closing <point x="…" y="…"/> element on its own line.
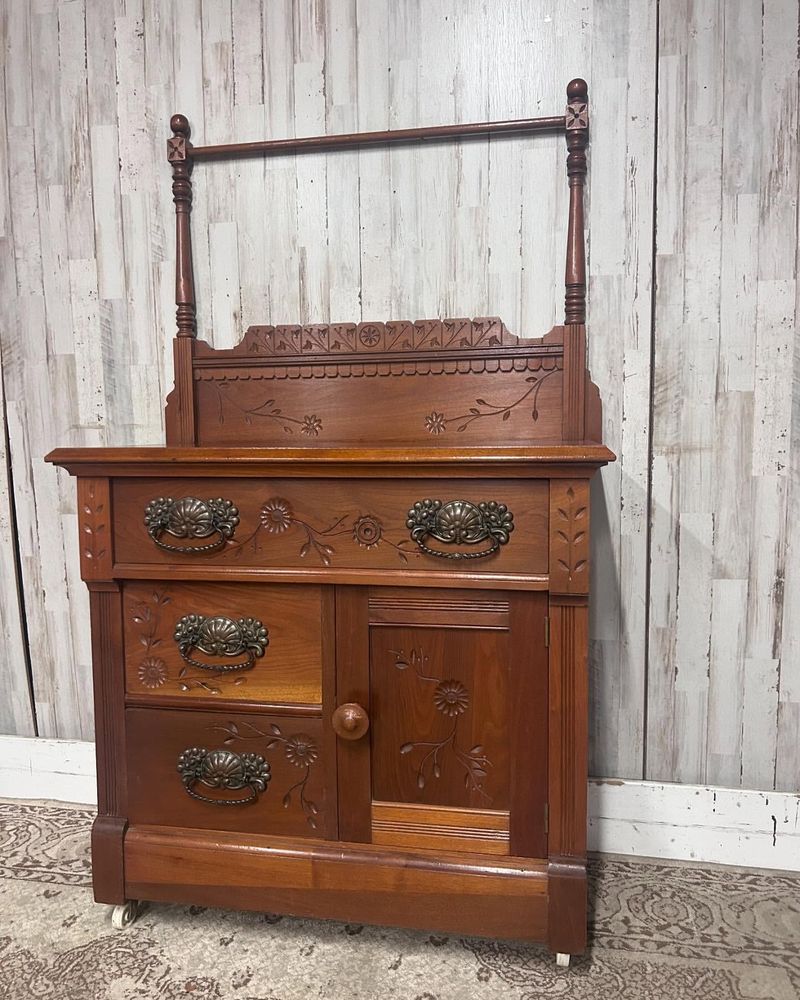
<point x="583" y="457"/>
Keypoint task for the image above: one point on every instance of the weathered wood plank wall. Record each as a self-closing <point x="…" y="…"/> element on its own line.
<point x="686" y="107"/>
<point x="724" y="671"/>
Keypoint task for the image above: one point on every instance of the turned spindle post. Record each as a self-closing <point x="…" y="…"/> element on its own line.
<point x="181" y="421"/>
<point x="179" y="155"/>
<point x="577" y="128"/>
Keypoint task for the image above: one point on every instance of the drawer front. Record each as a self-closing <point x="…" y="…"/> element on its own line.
<point x="475" y="525"/>
<point x="253" y="642"/>
<point x="221" y="771"/>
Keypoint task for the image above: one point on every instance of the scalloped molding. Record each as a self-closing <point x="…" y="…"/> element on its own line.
<point x="727" y="826"/>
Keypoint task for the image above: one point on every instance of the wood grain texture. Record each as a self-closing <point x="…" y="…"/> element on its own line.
<point x="479" y="831"/>
<point x="108" y="829"/>
<point x="87" y="304"/>
<point x="569" y="536"/>
<point x="16" y="707"/>
<point x="568" y="706"/>
<point x="297" y="801"/>
<point x="462" y="893"/>
<point x="289" y="670"/>
<point x="350" y="524"/>
<point x="353" y="758"/>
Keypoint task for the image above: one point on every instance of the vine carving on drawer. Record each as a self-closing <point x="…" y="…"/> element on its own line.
<point x="153" y="671"/>
<point x="277" y="516"/>
<point x="452" y="699"/>
<point x="300" y="750"/>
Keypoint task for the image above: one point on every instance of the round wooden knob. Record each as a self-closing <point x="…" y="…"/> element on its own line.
<point x="350" y="721"/>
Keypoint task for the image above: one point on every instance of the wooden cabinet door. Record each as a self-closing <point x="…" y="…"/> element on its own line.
<point x="454" y="683"/>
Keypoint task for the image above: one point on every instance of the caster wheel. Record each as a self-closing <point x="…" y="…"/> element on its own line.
<point x="123" y="916"/>
<point x="562" y="959"/>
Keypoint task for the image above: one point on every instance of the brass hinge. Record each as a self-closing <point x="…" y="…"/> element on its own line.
<point x="546" y="818"/>
<point x="547" y="632"/>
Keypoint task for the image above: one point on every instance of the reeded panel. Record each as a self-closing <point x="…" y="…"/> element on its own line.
<point x="255" y="642"/>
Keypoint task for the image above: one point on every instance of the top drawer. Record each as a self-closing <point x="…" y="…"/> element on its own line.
<point x="492" y="526"/>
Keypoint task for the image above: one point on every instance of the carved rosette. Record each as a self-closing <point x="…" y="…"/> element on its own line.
<point x="451" y="699"/>
<point x="396" y="337"/>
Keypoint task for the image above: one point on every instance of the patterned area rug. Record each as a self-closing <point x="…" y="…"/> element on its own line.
<point x="665" y="932"/>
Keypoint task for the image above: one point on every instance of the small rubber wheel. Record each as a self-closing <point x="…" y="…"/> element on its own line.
<point x="562" y="959"/>
<point x="123" y="916"/>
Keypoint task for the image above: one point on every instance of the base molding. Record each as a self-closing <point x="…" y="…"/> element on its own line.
<point x="456" y="894"/>
<point x="729" y="826"/>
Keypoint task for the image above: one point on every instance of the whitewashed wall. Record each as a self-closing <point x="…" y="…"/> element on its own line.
<point x="695" y="647"/>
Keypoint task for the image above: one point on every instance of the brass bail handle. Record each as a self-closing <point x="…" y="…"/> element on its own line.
<point x="350" y="721"/>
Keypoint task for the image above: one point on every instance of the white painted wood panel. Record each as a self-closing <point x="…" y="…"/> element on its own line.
<point x="695" y="657"/>
<point x="722" y="688"/>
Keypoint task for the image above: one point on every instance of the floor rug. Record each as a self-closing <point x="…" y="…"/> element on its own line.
<point x="660" y="931"/>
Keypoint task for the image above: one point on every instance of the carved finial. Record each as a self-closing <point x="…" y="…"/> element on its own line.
<point x="577" y="117"/>
<point x="577" y="130"/>
<point x="179" y="155"/>
<point x="180" y="124"/>
<point x="178" y="145"/>
<point x="577" y="90"/>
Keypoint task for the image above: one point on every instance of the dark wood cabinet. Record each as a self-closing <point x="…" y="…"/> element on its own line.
<point x="347" y="678"/>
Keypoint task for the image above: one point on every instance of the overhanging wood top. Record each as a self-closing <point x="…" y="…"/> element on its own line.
<point x="534" y="462"/>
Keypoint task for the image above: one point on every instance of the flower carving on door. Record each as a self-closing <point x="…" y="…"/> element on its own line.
<point x="452" y="699"/>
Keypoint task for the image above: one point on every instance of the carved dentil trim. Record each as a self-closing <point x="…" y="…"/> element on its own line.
<point x="332" y="367"/>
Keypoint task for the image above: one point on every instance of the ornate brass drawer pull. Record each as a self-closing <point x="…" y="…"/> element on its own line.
<point x="189" y="517"/>
<point x="460" y="522"/>
<point x="223" y="769"/>
<point x="221" y="636"/>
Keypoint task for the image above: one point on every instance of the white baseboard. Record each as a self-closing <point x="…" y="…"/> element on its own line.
<point x="728" y="826"/>
<point x="63" y="770"/>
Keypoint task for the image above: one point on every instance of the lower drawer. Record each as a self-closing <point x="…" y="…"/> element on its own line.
<point x="222" y="771"/>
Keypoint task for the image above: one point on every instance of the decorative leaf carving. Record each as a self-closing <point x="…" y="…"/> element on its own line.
<point x="299" y="750"/>
<point x="570" y="539"/>
<point x="437" y="423"/>
<point x="450" y="698"/>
